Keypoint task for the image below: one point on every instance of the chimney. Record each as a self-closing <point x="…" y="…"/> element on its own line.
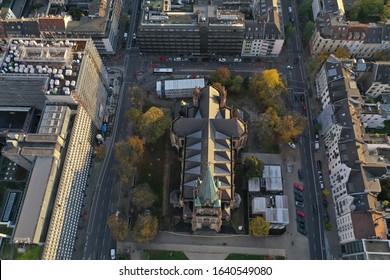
<point x="222" y="97"/>
<point x="196" y="96"/>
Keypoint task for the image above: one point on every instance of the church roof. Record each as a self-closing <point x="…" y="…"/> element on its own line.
<point x="208" y="190"/>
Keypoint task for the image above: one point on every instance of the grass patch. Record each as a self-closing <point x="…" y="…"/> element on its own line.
<point x="33" y="253"/>
<point x="246" y="257"/>
<point x="7" y="251"/>
<point x="6" y="230"/>
<point x="151" y="169"/>
<point x="123" y="257"/>
<point x="166" y="255"/>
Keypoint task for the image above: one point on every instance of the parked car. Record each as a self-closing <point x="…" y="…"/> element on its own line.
<point x="222" y="59"/>
<point x="299" y="204"/>
<point x="289" y="67"/>
<point x="322" y="185"/>
<point x="289" y="10"/>
<point x="292" y="145"/>
<point x="325" y="203"/>
<point x="301" y="225"/>
<point x="299" y="187"/>
<point x="326" y="218"/>
<point x="300" y="213"/>
<point x="85" y="217"/>
<point x="302" y="231"/>
<point x="298" y="193"/>
<point x="315" y="209"/>
<point x="319" y="165"/>
<point x="316" y="145"/>
<point x="300" y="220"/>
<point x="112" y="254"/>
<point x="237" y="60"/>
<point x="298" y="198"/>
<point x="300" y="174"/>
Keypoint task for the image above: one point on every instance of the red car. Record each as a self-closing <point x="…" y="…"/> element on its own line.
<point x="300" y="213"/>
<point x="85" y="216"/>
<point x="299" y="187"/>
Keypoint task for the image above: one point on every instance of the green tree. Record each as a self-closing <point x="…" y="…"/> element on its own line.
<point x="265" y="129"/>
<point x="328" y="227"/>
<point x="143" y="196"/>
<point x="221" y="75"/>
<point x="76" y="13"/>
<point x="342" y="52"/>
<point x="134" y="116"/>
<point x="289" y="31"/>
<point x="305" y="10"/>
<point x="308" y="31"/>
<point x="236" y="85"/>
<point x="259" y="227"/>
<point x="254" y="167"/>
<point x="145" y="229"/>
<point x="154" y="124"/>
<point x="118" y="227"/>
<point x="385" y="192"/>
<point x="366" y="10"/>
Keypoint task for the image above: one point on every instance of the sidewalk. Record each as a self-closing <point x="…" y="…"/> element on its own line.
<point x="95" y="170"/>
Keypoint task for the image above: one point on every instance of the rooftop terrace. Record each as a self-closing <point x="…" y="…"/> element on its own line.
<point x="59" y="60"/>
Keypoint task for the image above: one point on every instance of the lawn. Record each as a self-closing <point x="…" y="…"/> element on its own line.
<point x="166" y="255"/>
<point x="33" y="253"/>
<point x="252" y="257"/>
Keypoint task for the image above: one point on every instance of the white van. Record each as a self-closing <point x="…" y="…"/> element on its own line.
<point x="113" y="254"/>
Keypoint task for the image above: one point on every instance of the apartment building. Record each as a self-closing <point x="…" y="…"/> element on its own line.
<point x="367" y="249"/>
<point x="202" y="28"/>
<point x="333" y="31"/>
<point x="101" y="24"/>
<point x="67" y="81"/>
<point x="353" y="171"/>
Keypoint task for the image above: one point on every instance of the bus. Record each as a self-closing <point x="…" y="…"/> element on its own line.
<point x="163" y="70"/>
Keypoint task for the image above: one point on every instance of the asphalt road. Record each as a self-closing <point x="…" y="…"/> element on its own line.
<point x="298" y="90"/>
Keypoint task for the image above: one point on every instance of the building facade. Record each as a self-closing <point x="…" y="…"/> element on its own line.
<point x="354" y="172"/>
<point x="208" y="29"/>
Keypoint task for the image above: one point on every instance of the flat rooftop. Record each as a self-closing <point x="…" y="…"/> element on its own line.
<point x="59" y="60"/>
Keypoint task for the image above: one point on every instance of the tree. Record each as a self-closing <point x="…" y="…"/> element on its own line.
<point x="145" y="229"/>
<point x="367" y="11"/>
<point x="268" y="87"/>
<point x="328" y="227"/>
<point x="127" y="153"/>
<point x="258" y="227"/>
<point x="153" y="124"/>
<point x="100" y="152"/>
<point x="143" y="196"/>
<point x="236" y="85"/>
<point x="305" y="10"/>
<point x="137" y="97"/>
<point x="342" y="52"/>
<point x="381" y="56"/>
<point x="254" y="167"/>
<point x="385" y="192"/>
<point x="308" y="31"/>
<point x="290" y="127"/>
<point x="76" y="13"/>
<point x="325" y="192"/>
<point x="265" y="129"/>
<point x="289" y="31"/>
<point x="118" y="227"/>
<point x="221" y="75"/>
